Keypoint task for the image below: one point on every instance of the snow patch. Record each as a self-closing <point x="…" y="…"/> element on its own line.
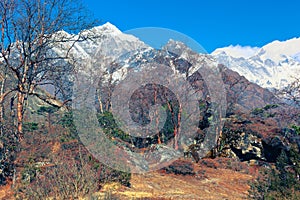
<point x="237" y="51"/>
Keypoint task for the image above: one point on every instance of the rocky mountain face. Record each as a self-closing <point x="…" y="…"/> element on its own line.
<point x="254" y="116"/>
<point x="274" y="65"/>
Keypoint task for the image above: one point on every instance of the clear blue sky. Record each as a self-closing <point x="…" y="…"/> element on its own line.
<point x="212" y="23"/>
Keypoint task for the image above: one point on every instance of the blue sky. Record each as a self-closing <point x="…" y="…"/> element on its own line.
<point x="211" y="23"/>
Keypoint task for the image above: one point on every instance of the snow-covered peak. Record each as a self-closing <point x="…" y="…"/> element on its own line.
<point x="237" y="51"/>
<point x="271" y="66"/>
<point x="107" y="28"/>
<point x="175" y="46"/>
<point x="277" y="50"/>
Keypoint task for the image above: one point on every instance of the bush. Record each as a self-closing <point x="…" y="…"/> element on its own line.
<point x="181" y="167"/>
<point x="30" y="126"/>
<point x="257" y="111"/>
<point x="296" y="129"/>
<point x="281" y="182"/>
<point x="108" y="174"/>
<point x="65" y="179"/>
<point x="110" y="127"/>
<point x="270" y="106"/>
<point x="8" y="150"/>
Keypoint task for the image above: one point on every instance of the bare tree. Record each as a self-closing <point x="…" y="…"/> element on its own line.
<point x="292" y="92"/>
<point x="34" y="47"/>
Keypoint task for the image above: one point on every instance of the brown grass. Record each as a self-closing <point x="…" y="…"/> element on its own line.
<point x="208" y="183"/>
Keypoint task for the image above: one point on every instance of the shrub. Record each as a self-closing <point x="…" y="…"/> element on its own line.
<point x="180" y="167"/>
<point x="296" y="129"/>
<point x="65" y="179"/>
<point x="108" y="174"/>
<point x="270" y="106"/>
<point x="30" y="126"/>
<point x="257" y="111"/>
<point x="281" y="182"/>
<point x="110" y="127"/>
<point x="8" y="150"/>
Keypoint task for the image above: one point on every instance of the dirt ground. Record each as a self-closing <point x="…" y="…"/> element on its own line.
<point x="207" y="183"/>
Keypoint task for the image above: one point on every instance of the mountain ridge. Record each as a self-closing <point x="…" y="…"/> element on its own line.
<point x="272" y="66"/>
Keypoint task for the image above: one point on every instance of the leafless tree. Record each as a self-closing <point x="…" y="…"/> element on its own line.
<point x="291" y="92"/>
<point x="35" y="50"/>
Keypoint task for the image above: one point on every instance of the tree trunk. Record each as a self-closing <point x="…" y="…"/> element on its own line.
<point x="177" y="128"/>
<point x="1" y="117"/>
<point x="20" y="114"/>
<point x="157" y="117"/>
<point x="49" y="124"/>
<point x="2" y="104"/>
<point x="100" y="100"/>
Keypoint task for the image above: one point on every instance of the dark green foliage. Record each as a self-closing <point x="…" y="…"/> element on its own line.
<point x="30" y="126"/>
<point x="110" y="127"/>
<point x="265" y="111"/>
<point x="270" y="106"/>
<point x="297" y="129"/>
<point x="171" y="121"/>
<point x="283" y="181"/>
<point x="271" y="115"/>
<point x="46" y="109"/>
<point x="257" y="111"/>
<point x="67" y="122"/>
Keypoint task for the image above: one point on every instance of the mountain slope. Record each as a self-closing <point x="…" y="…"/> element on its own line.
<point x="231" y="94"/>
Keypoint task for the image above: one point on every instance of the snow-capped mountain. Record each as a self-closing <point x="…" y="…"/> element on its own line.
<point x="273" y="66"/>
<point x="105" y="42"/>
<point x="112" y="42"/>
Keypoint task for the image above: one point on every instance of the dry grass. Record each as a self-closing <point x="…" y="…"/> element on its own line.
<point x="208" y="183"/>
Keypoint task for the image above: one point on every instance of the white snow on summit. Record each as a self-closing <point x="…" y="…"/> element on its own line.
<point x="107" y="28"/>
<point x="237" y="51"/>
<point x="277" y="50"/>
<point x="273" y="66"/>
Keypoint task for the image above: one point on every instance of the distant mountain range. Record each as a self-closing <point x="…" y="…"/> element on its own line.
<point x="272" y="66"/>
<point x="130" y="53"/>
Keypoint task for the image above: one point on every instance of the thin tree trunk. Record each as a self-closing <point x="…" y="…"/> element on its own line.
<point x="49" y="124"/>
<point x="157" y="117"/>
<point x="1" y="114"/>
<point x="100" y="101"/>
<point x="108" y="103"/>
<point x="2" y="103"/>
<point x="177" y="128"/>
<point x="1" y="117"/>
<point x="20" y="114"/>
